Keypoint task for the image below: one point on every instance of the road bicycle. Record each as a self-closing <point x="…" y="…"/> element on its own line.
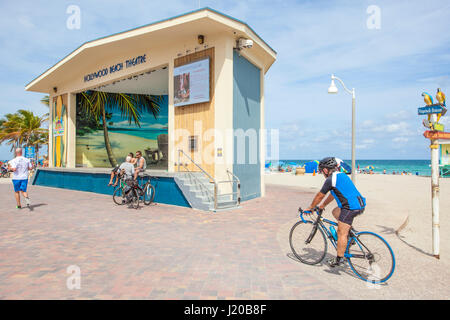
<point x="369" y="256"/>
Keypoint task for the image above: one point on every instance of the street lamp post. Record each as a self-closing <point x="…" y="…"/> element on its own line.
<point x="333" y="90"/>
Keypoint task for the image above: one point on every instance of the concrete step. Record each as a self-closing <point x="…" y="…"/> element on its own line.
<point x="199" y="192"/>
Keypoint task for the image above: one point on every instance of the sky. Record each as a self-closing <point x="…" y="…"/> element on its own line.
<point x="389" y="66"/>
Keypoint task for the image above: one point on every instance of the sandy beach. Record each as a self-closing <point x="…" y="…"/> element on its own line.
<point x="91" y="150"/>
<point x="399" y="209"/>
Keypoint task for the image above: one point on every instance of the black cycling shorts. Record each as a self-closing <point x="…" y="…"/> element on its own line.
<point x="347" y="216"/>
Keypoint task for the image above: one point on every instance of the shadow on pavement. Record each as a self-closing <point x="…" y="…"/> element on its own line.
<point x="388" y="230"/>
<point x="336" y="271"/>
<point x="31" y="208"/>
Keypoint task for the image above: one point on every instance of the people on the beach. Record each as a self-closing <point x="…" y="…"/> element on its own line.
<point x="20" y="166"/>
<point x="350" y="203"/>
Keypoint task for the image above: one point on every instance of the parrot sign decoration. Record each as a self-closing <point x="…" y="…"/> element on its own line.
<point x="433" y="108"/>
<point x="437" y="136"/>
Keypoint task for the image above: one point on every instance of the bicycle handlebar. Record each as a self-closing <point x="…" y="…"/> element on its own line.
<point x="316" y="209"/>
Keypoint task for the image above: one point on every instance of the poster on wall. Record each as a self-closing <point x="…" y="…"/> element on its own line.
<point x="191" y="83"/>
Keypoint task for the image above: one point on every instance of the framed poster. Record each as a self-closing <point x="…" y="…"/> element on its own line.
<point x="191" y="83"/>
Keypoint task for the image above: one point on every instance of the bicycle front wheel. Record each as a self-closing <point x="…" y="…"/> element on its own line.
<point x="312" y="252"/>
<point x="371" y="257"/>
<point x="135" y="199"/>
<point x="149" y="194"/>
<point x="118" y="196"/>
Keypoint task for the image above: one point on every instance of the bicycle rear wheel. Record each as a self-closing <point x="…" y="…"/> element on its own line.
<point x="312" y="252"/>
<point x="118" y="196"/>
<point x="149" y="194"/>
<point x="372" y="259"/>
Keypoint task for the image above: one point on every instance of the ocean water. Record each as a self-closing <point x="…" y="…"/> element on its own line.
<point x="422" y="167"/>
<point x="151" y="134"/>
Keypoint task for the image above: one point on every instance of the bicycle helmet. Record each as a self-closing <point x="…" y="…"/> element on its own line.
<point x="328" y="162"/>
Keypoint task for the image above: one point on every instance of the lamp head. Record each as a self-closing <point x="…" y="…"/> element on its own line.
<point x="332" y="89"/>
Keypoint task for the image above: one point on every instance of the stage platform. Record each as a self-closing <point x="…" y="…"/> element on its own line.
<point x="96" y="180"/>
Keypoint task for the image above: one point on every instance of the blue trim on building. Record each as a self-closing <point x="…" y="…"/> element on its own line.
<point x="247" y="115"/>
<point x="166" y="189"/>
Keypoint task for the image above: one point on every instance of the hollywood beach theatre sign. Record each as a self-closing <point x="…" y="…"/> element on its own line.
<point x="129" y="63"/>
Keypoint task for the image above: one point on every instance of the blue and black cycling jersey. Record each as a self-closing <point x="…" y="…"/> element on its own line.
<point x="344" y="191"/>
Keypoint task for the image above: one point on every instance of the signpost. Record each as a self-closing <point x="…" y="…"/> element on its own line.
<point x="434" y="112"/>
<point x="433" y="109"/>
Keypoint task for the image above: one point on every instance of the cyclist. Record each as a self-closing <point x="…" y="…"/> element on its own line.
<point x="350" y="203"/>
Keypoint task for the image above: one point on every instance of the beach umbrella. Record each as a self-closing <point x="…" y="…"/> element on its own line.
<point x="346" y="168"/>
<point x="370" y="167"/>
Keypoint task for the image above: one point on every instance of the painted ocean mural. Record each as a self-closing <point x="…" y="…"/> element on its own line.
<point x="150" y="138"/>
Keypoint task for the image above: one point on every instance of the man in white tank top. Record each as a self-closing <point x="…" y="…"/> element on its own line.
<point x="141" y="164"/>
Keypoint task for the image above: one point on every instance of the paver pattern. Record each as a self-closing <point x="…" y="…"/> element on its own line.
<point x="155" y="252"/>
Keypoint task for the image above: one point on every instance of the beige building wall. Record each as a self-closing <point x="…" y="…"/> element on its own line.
<point x="165" y="56"/>
<point x="224" y="109"/>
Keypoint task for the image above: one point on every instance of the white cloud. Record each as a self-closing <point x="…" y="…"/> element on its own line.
<point x="400" y="139"/>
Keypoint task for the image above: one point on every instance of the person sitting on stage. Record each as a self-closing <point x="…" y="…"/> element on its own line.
<point x="116" y="172"/>
<point x="141" y="164"/>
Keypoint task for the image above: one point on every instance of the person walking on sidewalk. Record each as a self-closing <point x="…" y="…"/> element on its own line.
<point x="20" y="166"/>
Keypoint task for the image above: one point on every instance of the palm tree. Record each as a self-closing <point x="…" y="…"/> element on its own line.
<point x="10" y="130"/>
<point x="46" y="102"/>
<point x="31" y="126"/>
<point x="21" y="128"/>
<point x="97" y="104"/>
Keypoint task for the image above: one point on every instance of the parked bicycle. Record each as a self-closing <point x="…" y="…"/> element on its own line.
<point x="147" y="190"/>
<point x="5" y="173"/>
<point x="370" y="257"/>
<point x="129" y="191"/>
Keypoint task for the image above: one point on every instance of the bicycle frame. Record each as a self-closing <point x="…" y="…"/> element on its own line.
<point x="352" y="232"/>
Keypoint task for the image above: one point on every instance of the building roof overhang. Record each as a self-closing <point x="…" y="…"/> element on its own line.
<point x="204" y="20"/>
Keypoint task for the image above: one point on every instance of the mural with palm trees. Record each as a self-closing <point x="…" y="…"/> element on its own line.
<point x="116" y="124"/>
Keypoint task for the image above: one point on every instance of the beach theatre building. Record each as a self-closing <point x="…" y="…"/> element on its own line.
<point x="188" y="92"/>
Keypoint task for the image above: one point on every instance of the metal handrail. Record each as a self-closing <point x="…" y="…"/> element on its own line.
<point x="202" y="170"/>
<point x="212" y="180"/>
<point x="238" y="186"/>
<point x="198" y="180"/>
<point x="206" y="173"/>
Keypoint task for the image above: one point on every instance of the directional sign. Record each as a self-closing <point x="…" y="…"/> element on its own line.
<point x="430" y="109"/>
<point x="436" y="135"/>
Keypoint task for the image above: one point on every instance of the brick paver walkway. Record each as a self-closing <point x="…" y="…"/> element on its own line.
<point x="156" y="252"/>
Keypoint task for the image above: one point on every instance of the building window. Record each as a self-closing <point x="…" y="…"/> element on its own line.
<point x="193" y="142"/>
